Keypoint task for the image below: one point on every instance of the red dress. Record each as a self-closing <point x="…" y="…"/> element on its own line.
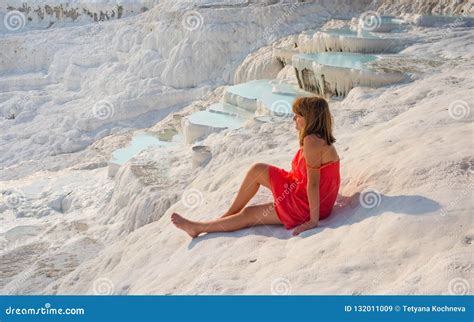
<point x="290" y="193"/>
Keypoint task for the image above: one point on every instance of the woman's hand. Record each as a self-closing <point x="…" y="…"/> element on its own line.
<point x="305" y="226"/>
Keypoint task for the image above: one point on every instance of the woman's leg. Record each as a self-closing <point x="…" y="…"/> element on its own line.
<point x="256" y="176"/>
<point x="263" y="214"/>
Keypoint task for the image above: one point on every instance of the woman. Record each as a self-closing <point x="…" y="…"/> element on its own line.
<point x="302" y="196"/>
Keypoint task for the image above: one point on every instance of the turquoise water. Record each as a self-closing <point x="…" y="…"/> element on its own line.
<point x="217" y="120"/>
<point x="224" y="115"/>
<point x="391" y="20"/>
<point x="252" y="89"/>
<point x="228" y="109"/>
<point x="140" y="141"/>
<point x="262" y="89"/>
<point x="280" y="104"/>
<point x="345" y="60"/>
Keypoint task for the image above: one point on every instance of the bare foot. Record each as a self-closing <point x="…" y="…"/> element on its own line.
<point x="185" y="224"/>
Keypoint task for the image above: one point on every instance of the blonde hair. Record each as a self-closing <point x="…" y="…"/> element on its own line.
<point x="318" y="118"/>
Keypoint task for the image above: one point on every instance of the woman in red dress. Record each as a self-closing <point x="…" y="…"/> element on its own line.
<point x="303" y="196"/>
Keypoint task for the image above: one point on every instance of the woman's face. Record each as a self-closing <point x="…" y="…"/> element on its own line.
<point x="299" y="121"/>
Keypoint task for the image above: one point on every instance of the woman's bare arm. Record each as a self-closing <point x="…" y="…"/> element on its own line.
<point x="312" y="154"/>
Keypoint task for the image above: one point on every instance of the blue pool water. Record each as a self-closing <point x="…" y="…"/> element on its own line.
<point x="275" y="101"/>
<point x="279" y="104"/>
<point x="252" y="89"/>
<point x="217" y="120"/>
<point x="140" y="141"/>
<point x="345" y="60"/>
<point x="228" y="109"/>
<point x="277" y="98"/>
<point x="391" y="20"/>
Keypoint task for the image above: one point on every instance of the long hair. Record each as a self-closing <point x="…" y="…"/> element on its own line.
<point x="318" y="119"/>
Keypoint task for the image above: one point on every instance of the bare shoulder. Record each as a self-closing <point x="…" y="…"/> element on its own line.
<point x="313" y="142"/>
<point x="314" y="146"/>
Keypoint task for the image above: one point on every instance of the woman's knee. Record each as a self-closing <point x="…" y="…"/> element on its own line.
<point x="259" y="170"/>
<point x="248" y="213"/>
